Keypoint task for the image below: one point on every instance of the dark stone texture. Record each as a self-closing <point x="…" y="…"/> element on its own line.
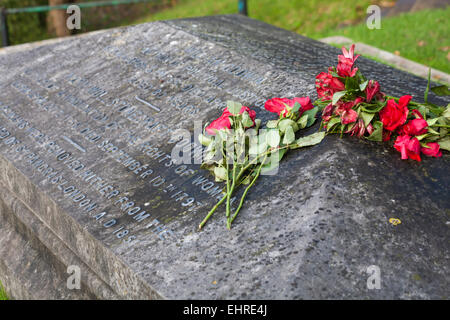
<point x="309" y="232"/>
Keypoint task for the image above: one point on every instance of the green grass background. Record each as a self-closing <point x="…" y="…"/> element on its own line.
<point x="3" y="295"/>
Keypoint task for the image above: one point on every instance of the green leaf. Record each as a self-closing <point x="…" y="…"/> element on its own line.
<point x="204" y="140"/>
<point x="273" y="138"/>
<point x="337" y="96"/>
<point x="272" y="124"/>
<point x="286" y="123"/>
<point x="220" y="173"/>
<point x="296" y="107"/>
<point x="444" y="144"/>
<point x="234" y="107"/>
<point x="303" y="121"/>
<point x="363" y="85"/>
<point x="246" y="120"/>
<point x="432" y="121"/>
<point x="273" y="161"/>
<point x="441" y="90"/>
<point x="289" y="136"/>
<point x="367" y="117"/>
<point x="377" y="134"/>
<point x="310" y="140"/>
<point x="332" y="123"/>
<point x="311" y="113"/>
<point x="376" y="109"/>
<point x="351" y="83"/>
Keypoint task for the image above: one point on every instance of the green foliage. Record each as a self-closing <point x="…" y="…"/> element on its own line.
<point x="3" y="295"/>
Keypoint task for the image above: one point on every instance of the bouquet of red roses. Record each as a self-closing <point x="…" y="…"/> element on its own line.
<point x="354" y="105"/>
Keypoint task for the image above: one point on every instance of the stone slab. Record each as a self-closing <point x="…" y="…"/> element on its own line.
<point x="83" y="118"/>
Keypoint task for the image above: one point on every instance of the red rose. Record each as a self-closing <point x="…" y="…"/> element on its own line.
<point x="394" y="115"/>
<point x="327" y="112"/>
<point x="223" y="122"/>
<point x="373" y="87"/>
<point x="305" y="103"/>
<point x="408" y="147"/>
<point x="415" y="127"/>
<point x="433" y="150"/>
<point x="277" y="105"/>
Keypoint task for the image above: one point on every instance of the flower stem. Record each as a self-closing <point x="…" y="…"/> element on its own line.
<point x="246" y="190"/>
<point x="211" y="212"/>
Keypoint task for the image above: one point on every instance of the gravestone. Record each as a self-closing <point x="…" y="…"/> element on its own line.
<point x="87" y="128"/>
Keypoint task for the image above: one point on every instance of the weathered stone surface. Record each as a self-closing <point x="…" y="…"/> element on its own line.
<point x="309" y="232"/>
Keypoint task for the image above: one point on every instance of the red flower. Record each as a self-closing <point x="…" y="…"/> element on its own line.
<point x="433" y="150"/>
<point x="408" y="147"/>
<point x="349" y="116"/>
<point x="346" y="61"/>
<point x="358" y="128"/>
<point x="394" y="115"/>
<point x="327" y="85"/>
<point x="350" y="54"/>
<point x="278" y="105"/>
<point x="305" y="103"/>
<point x="373" y="87"/>
<point x="223" y="122"/>
<point x="415" y="127"/>
<point x="327" y="112"/>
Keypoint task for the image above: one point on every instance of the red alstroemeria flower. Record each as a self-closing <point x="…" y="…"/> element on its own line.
<point x="278" y="105"/>
<point x="394" y="115"/>
<point x="327" y="85"/>
<point x="223" y="122"/>
<point x="408" y="147"/>
<point x="349" y="116"/>
<point x="350" y="54"/>
<point x="373" y="87"/>
<point x="358" y="128"/>
<point x="433" y="150"/>
<point x="415" y="127"/>
<point x="327" y="112"/>
<point x="344" y="67"/>
<point x="346" y="61"/>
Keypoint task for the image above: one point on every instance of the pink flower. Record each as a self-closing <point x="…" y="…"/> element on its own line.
<point x="373" y="87"/>
<point x="358" y="128"/>
<point x="394" y="115"/>
<point x="223" y="122"/>
<point x="346" y="62"/>
<point x="349" y="116"/>
<point x="408" y="147"/>
<point x="350" y="54"/>
<point x="327" y="112"/>
<point x="433" y="150"/>
<point x="327" y="85"/>
<point x="415" y="127"/>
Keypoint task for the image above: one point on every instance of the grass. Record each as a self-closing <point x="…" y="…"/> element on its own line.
<point x="3" y="295"/>
<point x="421" y="36"/>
